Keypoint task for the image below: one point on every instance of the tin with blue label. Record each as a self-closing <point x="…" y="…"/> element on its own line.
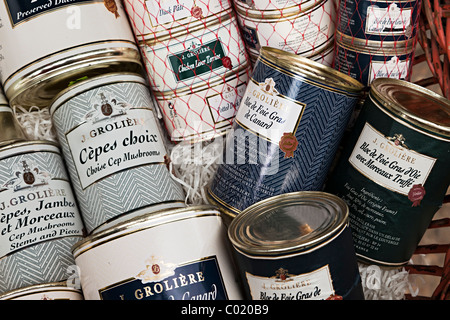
<point x="286" y="131"/>
<point x="367" y="61"/>
<point x="394" y="170"/>
<point x="296" y="246"/>
<point x="172" y="254"/>
<point x="376" y="20"/>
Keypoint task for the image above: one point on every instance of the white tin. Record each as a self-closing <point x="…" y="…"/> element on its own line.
<point x="114" y="148"/>
<point x="267" y="5"/>
<point x="39" y="217"/>
<point x="167" y="255"/>
<point x="196" y="55"/>
<point x="46" y="291"/>
<point x="46" y="44"/>
<point x="205" y="111"/>
<point x="303" y="30"/>
<point x="157" y="18"/>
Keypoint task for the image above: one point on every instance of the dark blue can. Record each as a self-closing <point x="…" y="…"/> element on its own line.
<point x="379" y="20"/>
<point x="286" y="132"/>
<point x="296" y="246"/>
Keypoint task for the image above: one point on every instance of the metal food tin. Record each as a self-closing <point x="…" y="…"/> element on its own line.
<point x="394" y="170"/>
<point x="195" y="56"/>
<point x="204" y="111"/>
<point x="137" y="260"/>
<point x="11" y="130"/>
<point x="304" y="30"/>
<point x="379" y="20"/>
<point x="267" y="5"/>
<point x="39" y="217"/>
<point x="82" y="38"/>
<point x="286" y="131"/>
<point x="159" y="18"/>
<point x="114" y="148"/>
<point x="374" y="60"/>
<point x="47" y="291"/>
<point x="296" y="246"/>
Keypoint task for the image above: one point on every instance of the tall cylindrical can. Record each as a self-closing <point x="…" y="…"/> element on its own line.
<point x="177" y="254"/>
<point x="45" y="291"/>
<point x="286" y="132"/>
<point x="114" y="148"/>
<point x="394" y="169"/>
<point x="366" y="61"/>
<point x="47" y="44"/>
<point x="375" y="20"/>
<point x="304" y="29"/>
<point x="296" y="246"/>
<point x="40" y="221"/>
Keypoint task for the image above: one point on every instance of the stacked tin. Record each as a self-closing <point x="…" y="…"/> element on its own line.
<point x="302" y="27"/>
<point x="376" y="39"/>
<point x="40" y="221"/>
<point x="196" y="62"/>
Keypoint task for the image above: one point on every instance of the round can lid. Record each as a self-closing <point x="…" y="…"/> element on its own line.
<point x="415" y="104"/>
<point x="305" y="68"/>
<point x="287" y="223"/>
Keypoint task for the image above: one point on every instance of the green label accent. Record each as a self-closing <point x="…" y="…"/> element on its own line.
<point x="197" y="60"/>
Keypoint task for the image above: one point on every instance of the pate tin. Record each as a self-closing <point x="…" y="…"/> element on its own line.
<point x="178" y="254"/>
<point x="159" y="18"/>
<point x="384" y="20"/>
<point x="114" y="148"/>
<point x="39" y="217"/>
<point x="366" y="62"/>
<point x="296" y="246"/>
<point x="46" y="44"/>
<point x="204" y="111"/>
<point x="195" y="56"/>
<point x="46" y="291"/>
<point x="394" y="170"/>
<point x="286" y="131"/>
<point x="304" y="30"/>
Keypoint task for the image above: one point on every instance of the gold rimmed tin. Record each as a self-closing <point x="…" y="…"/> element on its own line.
<point x="46" y="291"/>
<point x="393" y="171"/>
<point x="193" y="262"/>
<point x="83" y="39"/>
<point x="296" y="246"/>
<point x="303" y="29"/>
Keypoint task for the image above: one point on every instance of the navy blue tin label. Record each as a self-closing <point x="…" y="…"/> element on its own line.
<point x="379" y="20"/>
<point x="329" y="272"/>
<point x="20" y="11"/>
<point x="199" y="280"/>
<point x="283" y="139"/>
<point x="366" y="67"/>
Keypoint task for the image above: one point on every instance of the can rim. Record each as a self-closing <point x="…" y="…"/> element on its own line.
<point x="142" y="222"/>
<point x="373" y="46"/>
<point x="384" y="93"/>
<point x="114" y="77"/>
<point x="279" y="14"/>
<point x="241" y="229"/>
<point x="296" y="65"/>
<point x="19" y="292"/>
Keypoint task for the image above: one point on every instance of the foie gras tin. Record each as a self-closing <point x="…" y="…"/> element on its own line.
<point x="296" y="246"/>
<point x="286" y="131"/>
<point x="176" y="254"/>
<point x="114" y="148"/>
<point x="366" y="61"/>
<point x="46" y="44"/>
<point x="394" y="169"/>
<point x="385" y="20"/>
<point x="46" y="291"/>
<point x="39" y="217"/>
